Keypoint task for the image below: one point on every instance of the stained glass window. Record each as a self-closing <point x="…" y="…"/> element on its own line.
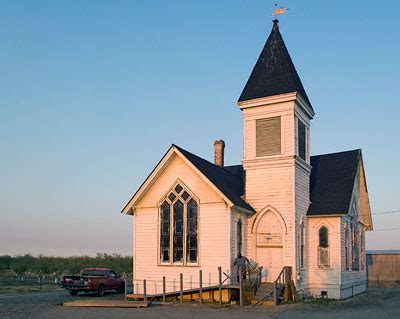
<point x="165" y="232"/>
<point x="191" y="232"/>
<point x="178" y="227"/>
<point x="178" y="231"/>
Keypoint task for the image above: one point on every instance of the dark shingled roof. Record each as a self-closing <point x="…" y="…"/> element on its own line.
<point x="274" y="72"/>
<point x="229" y="183"/>
<point x="332" y="181"/>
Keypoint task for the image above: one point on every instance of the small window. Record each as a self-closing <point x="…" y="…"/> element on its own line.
<point x="346" y="247"/>
<point x="172" y="197"/>
<point x="268" y="136"/>
<point x="362" y="243"/>
<point x="302" y="139"/>
<point x="178" y="231"/>
<point x="178" y="188"/>
<point x="191" y="237"/>
<point x="302" y="246"/>
<point x="165" y="232"/>
<point x="355" y="246"/>
<point x="185" y="196"/>
<point x="239" y="234"/>
<point x="93" y="273"/>
<point x="323" y="248"/>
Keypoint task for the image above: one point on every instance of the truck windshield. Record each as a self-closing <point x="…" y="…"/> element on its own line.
<point x="92" y="273"/>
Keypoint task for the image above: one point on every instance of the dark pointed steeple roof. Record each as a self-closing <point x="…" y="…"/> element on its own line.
<point x="274" y="72"/>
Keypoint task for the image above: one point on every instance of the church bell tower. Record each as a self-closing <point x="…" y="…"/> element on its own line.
<point x="276" y="153"/>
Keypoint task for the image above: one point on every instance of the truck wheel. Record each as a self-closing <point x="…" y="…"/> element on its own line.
<point x="101" y="290"/>
<point x="121" y="288"/>
<point x="73" y="292"/>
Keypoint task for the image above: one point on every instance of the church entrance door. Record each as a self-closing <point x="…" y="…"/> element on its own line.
<point x="269" y="246"/>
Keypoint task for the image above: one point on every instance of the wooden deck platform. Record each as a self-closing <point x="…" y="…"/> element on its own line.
<point x="184" y="292"/>
<point x="107" y="304"/>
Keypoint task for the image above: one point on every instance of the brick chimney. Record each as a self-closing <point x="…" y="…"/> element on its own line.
<point x="219" y="147"/>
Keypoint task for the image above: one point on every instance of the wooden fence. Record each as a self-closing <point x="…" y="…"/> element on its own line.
<point x="383" y="268"/>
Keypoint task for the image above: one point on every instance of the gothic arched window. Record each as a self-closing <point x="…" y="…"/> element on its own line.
<point x="178" y="227"/>
<point x="302" y="246"/>
<point x="323" y="247"/>
<point x="346" y="247"/>
<point x="239" y="236"/>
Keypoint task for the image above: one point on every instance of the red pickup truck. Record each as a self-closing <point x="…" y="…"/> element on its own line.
<point x="94" y="280"/>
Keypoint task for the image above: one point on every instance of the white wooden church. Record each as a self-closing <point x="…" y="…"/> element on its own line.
<point x="279" y="207"/>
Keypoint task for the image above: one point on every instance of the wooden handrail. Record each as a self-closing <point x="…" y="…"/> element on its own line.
<point x="282" y="275"/>
<point x="282" y="280"/>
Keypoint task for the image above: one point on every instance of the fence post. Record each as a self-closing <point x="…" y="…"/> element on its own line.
<point x="163" y="289"/>
<point x="144" y="290"/>
<point x="220" y="284"/>
<point x="126" y="287"/>
<point x="181" y="287"/>
<point x="240" y="287"/>
<point x="287" y="278"/>
<point x="276" y="293"/>
<point x="200" y="286"/>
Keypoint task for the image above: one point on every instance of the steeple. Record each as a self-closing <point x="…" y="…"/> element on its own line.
<point x="274" y="72"/>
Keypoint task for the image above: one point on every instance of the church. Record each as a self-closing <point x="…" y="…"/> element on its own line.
<point x="279" y="207"/>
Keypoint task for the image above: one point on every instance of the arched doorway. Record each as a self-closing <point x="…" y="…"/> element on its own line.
<point x="269" y="242"/>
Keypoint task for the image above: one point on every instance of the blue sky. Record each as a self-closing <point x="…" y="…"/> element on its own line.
<point x="93" y="93"/>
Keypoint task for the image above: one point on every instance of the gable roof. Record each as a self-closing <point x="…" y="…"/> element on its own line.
<point x="274" y="72"/>
<point x="332" y="181"/>
<point x="229" y="183"/>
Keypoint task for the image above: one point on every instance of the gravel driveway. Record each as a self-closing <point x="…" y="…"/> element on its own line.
<point x="377" y="303"/>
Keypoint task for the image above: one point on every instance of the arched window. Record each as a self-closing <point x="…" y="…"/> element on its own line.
<point x="178" y="227"/>
<point x="302" y="246"/>
<point x="323" y="247"/>
<point x="239" y="236"/>
<point x="355" y="246"/>
<point x="165" y="234"/>
<point x="362" y="244"/>
<point x="191" y="242"/>
<point x="346" y="246"/>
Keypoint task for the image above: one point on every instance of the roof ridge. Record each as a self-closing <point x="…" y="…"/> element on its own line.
<point x="219" y="167"/>
<point x="339" y="152"/>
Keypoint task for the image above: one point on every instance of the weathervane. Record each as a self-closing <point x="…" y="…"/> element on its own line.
<point x="277" y="11"/>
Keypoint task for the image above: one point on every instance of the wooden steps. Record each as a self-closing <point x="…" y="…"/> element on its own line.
<point x="265" y="295"/>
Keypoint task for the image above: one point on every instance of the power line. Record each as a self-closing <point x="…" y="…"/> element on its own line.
<point x="388" y="212"/>
<point x="387" y="229"/>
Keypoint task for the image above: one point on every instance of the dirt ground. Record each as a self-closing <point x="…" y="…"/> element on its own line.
<point x="376" y="303"/>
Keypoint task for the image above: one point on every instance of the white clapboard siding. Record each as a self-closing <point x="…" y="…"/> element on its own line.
<point x="213" y="248"/>
<point x="275" y="188"/>
<point x="326" y="279"/>
<point x="302" y="203"/>
<point x="213" y="231"/>
<point x="353" y="281"/>
<point x="271" y="180"/>
<point x="250" y="116"/>
<point x="178" y="169"/>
